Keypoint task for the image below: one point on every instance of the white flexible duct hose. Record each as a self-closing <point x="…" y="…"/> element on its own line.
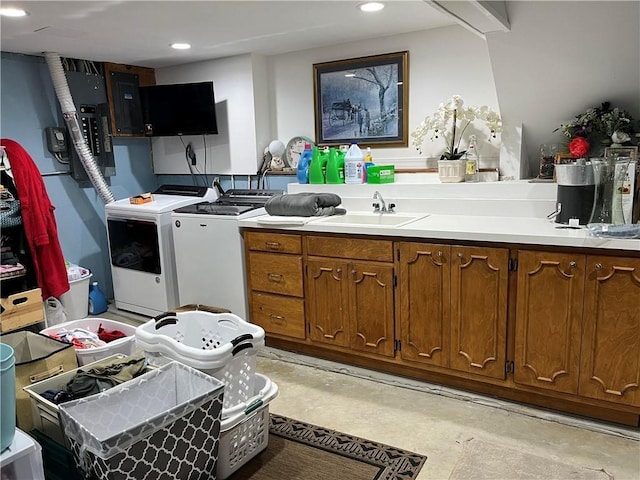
<point x="71" y="118"/>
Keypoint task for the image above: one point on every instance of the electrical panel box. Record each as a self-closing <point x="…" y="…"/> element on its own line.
<point x="122" y="96"/>
<point x="90" y="99"/>
<point x="126" y="103"/>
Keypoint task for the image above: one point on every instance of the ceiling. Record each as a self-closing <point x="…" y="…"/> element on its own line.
<point x="139" y="32"/>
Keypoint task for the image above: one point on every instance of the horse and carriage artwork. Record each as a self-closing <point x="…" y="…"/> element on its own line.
<point x="362" y="100"/>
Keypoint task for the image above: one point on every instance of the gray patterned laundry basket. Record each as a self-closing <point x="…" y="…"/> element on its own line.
<point x="164" y="424"/>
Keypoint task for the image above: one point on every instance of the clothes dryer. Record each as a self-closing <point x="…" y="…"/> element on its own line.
<point x="141" y="248"/>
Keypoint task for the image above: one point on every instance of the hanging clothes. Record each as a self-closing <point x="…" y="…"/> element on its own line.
<point x="39" y="221"/>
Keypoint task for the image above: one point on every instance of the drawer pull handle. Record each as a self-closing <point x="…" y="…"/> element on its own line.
<point x="278" y="318"/>
<point x="272" y="245"/>
<point x="274" y="277"/>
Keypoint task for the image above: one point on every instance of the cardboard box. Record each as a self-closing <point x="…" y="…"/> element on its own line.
<point x="21" y="309"/>
<point x="381" y="174"/>
<point x="141" y="199"/>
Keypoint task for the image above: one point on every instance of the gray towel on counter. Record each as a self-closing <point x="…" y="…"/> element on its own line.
<point x="305" y="204"/>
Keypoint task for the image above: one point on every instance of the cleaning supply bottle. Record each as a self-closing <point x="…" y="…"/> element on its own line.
<point x="318" y="167"/>
<point x="471" y="169"/>
<point x="335" y="167"/>
<point x="354" y="165"/>
<point x="97" y="300"/>
<point x="368" y="162"/>
<point x="303" y="164"/>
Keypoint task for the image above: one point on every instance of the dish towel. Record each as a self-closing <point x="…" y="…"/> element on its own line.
<point x="305" y="204"/>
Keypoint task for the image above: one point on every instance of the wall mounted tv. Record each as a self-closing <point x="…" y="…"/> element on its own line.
<point x="178" y="109"/>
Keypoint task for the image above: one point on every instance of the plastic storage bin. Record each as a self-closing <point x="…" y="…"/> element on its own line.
<point x="46" y="414"/>
<point x="246" y="434"/>
<point x="7" y="395"/>
<point x="221" y="345"/>
<point x="22" y="460"/>
<point x="123" y="433"/>
<point x="125" y="345"/>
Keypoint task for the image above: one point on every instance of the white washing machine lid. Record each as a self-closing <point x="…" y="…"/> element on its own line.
<point x="161" y="203"/>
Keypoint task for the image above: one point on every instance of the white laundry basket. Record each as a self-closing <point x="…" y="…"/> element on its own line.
<point x="219" y="344"/>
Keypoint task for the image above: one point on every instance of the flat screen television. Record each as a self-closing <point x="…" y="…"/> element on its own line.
<point x="178" y="109"/>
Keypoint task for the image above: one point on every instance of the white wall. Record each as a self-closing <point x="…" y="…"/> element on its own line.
<point x="235" y="149"/>
<point x="558" y="59"/>
<point x="561" y="58"/>
<point x="442" y="62"/>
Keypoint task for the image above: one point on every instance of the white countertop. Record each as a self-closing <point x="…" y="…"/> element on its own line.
<point x="532" y="231"/>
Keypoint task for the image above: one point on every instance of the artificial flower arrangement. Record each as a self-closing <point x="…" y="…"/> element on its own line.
<point x="610" y="125"/>
<point x="453" y="113"/>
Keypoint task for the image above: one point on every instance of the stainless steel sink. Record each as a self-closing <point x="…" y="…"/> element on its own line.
<point x="372" y="219"/>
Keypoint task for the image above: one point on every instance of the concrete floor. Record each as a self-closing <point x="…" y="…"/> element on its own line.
<point x="432" y="420"/>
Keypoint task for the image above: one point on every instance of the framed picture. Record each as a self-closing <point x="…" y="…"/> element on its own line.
<point x="362" y="100"/>
<point x="614" y="153"/>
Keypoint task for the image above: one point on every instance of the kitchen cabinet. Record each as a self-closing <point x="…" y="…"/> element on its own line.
<point x="350" y="299"/>
<point x="424" y="298"/>
<point x="610" y="355"/>
<point x="479" y="284"/>
<point x="274" y="263"/>
<point x="548" y="319"/>
<point x="558" y="327"/>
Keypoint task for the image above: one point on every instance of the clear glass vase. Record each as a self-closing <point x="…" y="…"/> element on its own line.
<point x="607" y="204"/>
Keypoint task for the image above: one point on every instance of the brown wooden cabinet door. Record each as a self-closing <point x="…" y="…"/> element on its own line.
<point x="328" y="301"/>
<point x="424" y="297"/>
<point x="371" y="308"/>
<point x="548" y="320"/>
<point x="610" y="358"/>
<point x="479" y="282"/>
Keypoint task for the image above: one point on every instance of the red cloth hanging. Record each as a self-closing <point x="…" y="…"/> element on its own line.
<point x="39" y="221"/>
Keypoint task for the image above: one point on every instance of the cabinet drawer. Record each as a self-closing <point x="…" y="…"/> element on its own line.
<point x="278" y="315"/>
<point x="273" y="242"/>
<point x="276" y="273"/>
<point x="352" y="248"/>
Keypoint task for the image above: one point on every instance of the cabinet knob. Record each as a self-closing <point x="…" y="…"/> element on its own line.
<point x="354" y="272"/>
<point x="278" y="318"/>
<point x="460" y="255"/>
<point x="338" y="270"/>
<point x="274" y="277"/>
<point x="272" y="245"/>
<point x="439" y="254"/>
<point x="572" y="264"/>
<point x="598" y="266"/>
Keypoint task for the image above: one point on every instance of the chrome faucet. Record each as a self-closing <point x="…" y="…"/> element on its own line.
<point x="376" y="206"/>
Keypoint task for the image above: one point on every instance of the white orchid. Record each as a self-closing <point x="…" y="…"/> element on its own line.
<point x="620" y="137"/>
<point x="451" y="112"/>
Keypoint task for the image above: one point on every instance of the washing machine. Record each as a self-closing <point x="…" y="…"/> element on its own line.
<point x="210" y="250"/>
<point x="141" y="248"/>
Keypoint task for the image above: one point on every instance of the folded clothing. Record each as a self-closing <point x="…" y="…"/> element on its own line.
<point x="305" y="204"/>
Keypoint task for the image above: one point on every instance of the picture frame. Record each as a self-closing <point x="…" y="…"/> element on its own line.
<point x="363" y="100"/>
<point x="630" y="186"/>
<point x="616" y="152"/>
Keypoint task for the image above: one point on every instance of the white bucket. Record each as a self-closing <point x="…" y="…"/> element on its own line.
<point x="76" y="300"/>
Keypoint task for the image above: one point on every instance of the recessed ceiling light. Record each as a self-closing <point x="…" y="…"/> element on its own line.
<point x="12" y="12"/>
<point x="181" y="46"/>
<point x="371" y="6"/>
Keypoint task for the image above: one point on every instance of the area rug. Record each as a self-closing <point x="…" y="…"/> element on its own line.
<point x="301" y="451"/>
<point x="482" y="460"/>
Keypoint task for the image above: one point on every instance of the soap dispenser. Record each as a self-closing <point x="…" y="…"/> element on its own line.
<point x="97" y="300"/>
